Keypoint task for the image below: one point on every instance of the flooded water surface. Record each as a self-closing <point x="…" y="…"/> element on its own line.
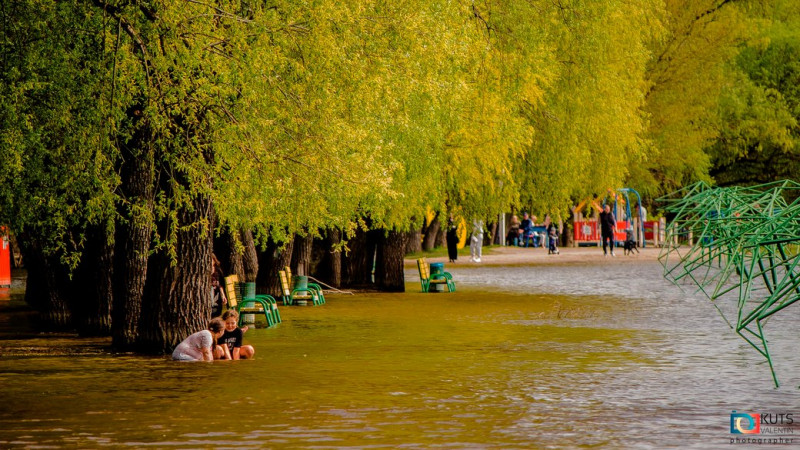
<point x="519" y="357"/>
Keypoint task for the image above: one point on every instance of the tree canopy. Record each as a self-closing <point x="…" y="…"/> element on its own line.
<point x="295" y="116"/>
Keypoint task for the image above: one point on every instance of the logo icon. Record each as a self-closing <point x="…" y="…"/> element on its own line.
<point x="742" y="423"/>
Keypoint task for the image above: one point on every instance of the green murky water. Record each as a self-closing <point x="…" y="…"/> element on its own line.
<point x="519" y="357"/>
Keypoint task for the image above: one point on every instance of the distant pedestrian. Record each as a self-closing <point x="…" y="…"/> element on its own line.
<point x="452" y="241"/>
<point x="607" y="225"/>
<point x="476" y="241"/>
<point x="552" y="236"/>
<point x="526" y="227"/>
<point x="512" y="238"/>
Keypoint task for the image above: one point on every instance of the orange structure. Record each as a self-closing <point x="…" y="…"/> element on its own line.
<point x="5" y="259"/>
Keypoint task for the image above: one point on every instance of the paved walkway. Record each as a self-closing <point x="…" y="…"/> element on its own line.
<point x="505" y="256"/>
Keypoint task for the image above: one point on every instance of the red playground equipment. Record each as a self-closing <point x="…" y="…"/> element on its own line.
<point x="5" y="259"/>
<point x="586" y="233"/>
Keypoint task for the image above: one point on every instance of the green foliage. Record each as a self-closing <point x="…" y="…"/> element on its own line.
<point x="55" y="172"/>
<point x="759" y="139"/>
<point x="295" y="116"/>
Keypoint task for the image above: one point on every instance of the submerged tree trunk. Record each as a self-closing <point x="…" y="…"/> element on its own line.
<point x="46" y="286"/>
<point x="301" y="259"/>
<point x="358" y="260"/>
<point x="335" y="256"/>
<point x="389" y="274"/>
<point x="225" y="249"/>
<point x="270" y="261"/>
<point x="92" y="285"/>
<point x="177" y="301"/>
<point x="249" y="257"/>
<point x="133" y="235"/>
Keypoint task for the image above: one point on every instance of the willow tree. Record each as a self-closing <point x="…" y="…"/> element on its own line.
<point x="310" y="156"/>
<point x="587" y="118"/>
<point x="759" y="139"/>
<point x="150" y="103"/>
<point x="688" y="73"/>
<point x="57" y="177"/>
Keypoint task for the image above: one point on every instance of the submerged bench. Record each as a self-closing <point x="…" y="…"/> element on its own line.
<point x="427" y="279"/>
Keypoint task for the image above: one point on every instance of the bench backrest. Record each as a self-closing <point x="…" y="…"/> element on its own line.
<point x="231" y="283"/>
<point x="285" y="290"/>
<point x="424" y="269"/>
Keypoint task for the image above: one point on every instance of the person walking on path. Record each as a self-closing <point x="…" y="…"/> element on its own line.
<point x="512" y="238"/>
<point x="607" y="225"/>
<point x="527" y="228"/>
<point x="452" y="241"/>
<point x="476" y="241"/>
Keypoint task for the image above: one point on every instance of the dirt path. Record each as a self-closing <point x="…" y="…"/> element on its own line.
<point x="505" y="256"/>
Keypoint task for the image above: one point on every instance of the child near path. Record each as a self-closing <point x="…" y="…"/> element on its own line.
<point x="552" y="234"/>
<point x="230" y="343"/>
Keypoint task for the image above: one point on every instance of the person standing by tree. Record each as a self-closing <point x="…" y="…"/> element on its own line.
<point x="218" y="298"/>
<point x="452" y="241"/>
<point x="607" y="225"/>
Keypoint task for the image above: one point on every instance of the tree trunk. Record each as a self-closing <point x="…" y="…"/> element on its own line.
<point x="389" y="275"/>
<point x="92" y="285"/>
<point x="133" y="235"/>
<point x="270" y="261"/>
<point x="46" y="287"/>
<point x="414" y="241"/>
<point x="335" y="256"/>
<point x="16" y="253"/>
<point x="177" y="301"/>
<point x="358" y="260"/>
<point x="301" y="259"/>
<point x="231" y="259"/>
<point x="249" y="257"/>
<point x="491" y="236"/>
<point x="430" y="233"/>
<point x="441" y="236"/>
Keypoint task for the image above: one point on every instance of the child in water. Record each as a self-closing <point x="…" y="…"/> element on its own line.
<point x="230" y="343"/>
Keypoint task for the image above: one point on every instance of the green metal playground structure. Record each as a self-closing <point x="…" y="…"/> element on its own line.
<point x="743" y="251"/>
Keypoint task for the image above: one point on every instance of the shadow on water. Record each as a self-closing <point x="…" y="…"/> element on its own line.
<point x="519" y="357"/>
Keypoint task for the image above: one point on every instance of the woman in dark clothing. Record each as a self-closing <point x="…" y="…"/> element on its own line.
<point x="452" y="241"/>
